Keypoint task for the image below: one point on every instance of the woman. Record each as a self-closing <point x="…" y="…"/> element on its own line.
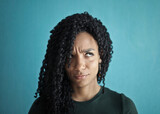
<point x="77" y="58"/>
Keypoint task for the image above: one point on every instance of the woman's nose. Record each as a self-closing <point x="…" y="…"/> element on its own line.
<point x="80" y="63"/>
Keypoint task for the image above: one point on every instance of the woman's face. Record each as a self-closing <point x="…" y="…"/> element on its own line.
<point x="84" y="61"/>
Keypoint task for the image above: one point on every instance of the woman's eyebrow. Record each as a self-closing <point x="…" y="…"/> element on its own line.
<point x="87" y="50"/>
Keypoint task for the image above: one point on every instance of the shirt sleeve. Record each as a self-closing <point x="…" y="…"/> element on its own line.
<point x="128" y="105"/>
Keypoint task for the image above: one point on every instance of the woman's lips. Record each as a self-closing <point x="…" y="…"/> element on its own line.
<point x="80" y="76"/>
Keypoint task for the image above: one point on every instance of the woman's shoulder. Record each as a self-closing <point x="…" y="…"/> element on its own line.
<point x="126" y="103"/>
<point x="112" y="95"/>
<point x="37" y="107"/>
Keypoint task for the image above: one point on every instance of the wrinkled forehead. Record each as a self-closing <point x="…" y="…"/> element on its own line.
<point x="84" y="41"/>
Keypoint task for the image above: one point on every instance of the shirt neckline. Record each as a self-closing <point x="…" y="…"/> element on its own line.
<point x="89" y="101"/>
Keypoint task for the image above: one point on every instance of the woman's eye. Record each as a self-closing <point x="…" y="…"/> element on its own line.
<point x="89" y="54"/>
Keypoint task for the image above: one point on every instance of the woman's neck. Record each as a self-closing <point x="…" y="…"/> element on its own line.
<point x="85" y="93"/>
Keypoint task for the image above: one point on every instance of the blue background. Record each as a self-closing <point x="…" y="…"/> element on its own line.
<point x="133" y="26"/>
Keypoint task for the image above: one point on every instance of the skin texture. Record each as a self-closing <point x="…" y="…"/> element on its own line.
<point x="83" y="68"/>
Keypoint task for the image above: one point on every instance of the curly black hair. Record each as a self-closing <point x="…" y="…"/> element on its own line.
<point x="54" y="86"/>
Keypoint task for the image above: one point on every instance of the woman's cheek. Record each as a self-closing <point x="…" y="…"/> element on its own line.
<point x="93" y="64"/>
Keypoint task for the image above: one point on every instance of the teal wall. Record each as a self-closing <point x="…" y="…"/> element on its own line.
<point x="134" y="28"/>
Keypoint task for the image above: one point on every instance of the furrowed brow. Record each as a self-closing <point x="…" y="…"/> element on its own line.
<point x="88" y="50"/>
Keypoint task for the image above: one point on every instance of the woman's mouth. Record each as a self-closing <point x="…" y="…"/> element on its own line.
<point x="78" y="77"/>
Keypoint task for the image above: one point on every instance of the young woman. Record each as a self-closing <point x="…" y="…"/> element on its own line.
<point x="77" y="58"/>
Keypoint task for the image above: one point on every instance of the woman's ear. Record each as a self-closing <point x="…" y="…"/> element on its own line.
<point x="101" y="53"/>
<point x="100" y="60"/>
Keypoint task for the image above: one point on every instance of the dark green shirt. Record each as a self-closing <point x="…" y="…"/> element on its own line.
<point x="109" y="102"/>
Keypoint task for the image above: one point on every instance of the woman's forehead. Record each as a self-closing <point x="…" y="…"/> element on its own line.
<point x="84" y="41"/>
